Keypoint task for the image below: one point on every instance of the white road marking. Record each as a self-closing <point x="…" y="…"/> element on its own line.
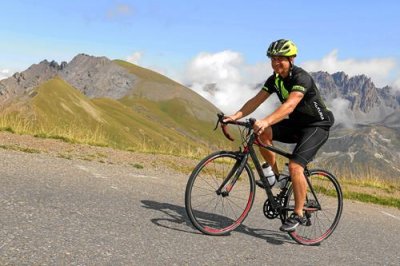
<point x="99" y="176"/>
<point x="96" y="175"/>
<point x="144" y="176"/>
<point x="391" y="215"/>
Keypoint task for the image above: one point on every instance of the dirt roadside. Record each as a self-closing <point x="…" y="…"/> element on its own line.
<point x="167" y="164"/>
<point x="61" y="149"/>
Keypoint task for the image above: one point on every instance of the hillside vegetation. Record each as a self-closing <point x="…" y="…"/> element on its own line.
<point x="157" y="115"/>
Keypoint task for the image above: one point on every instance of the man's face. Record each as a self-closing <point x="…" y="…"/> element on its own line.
<point x="281" y="65"/>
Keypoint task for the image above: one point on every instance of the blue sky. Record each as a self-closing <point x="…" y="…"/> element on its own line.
<point x="173" y="36"/>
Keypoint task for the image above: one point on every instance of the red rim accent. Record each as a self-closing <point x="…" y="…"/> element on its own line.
<point x="317" y="240"/>
<point x="311" y="241"/>
<point x="235" y="224"/>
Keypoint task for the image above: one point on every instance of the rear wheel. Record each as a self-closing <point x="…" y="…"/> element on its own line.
<point x="322" y="212"/>
<point x="215" y="212"/>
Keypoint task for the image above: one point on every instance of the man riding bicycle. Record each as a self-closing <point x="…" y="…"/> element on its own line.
<point x="303" y="118"/>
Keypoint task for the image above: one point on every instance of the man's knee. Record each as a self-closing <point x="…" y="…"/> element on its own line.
<point x="295" y="169"/>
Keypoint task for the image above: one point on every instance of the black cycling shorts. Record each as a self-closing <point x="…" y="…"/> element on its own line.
<point x="308" y="139"/>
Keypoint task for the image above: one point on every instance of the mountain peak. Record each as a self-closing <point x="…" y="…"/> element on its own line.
<point x="98" y="76"/>
<point x="93" y="76"/>
<point x="80" y="58"/>
<point x="340" y="78"/>
<point x="367" y="102"/>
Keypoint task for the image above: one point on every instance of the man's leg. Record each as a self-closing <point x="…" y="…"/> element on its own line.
<point x="309" y="143"/>
<point x="299" y="186"/>
<point x="269" y="156"/>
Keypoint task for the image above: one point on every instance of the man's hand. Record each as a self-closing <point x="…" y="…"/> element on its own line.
<point x="260" y="126"/>
<point x="229" y="118"/>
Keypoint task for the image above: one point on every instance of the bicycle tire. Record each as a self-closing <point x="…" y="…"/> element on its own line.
<point x="320" y="223"/>
<point x="214" y="214"/>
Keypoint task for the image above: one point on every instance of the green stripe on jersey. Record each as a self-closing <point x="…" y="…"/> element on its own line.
<point x="298" y="88"/>
<point x="282" y="90"/>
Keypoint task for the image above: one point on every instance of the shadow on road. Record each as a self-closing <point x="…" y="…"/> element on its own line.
<point x="177" y="216"/>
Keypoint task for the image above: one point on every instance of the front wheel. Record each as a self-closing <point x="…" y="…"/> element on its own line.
<point x="215" y="209"/>
<point x="322" y="208"/>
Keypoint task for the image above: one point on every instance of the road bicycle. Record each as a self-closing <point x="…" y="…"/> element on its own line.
<point x="221" y="189"/>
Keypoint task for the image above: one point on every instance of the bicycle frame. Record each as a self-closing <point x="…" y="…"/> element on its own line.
<point x="287" y="155"/>
<point x="250" y="151"/>
<point x="268" y="189"/>
<point x="217" y="209"/>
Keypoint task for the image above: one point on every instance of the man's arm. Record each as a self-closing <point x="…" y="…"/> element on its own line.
<point x="280" y="113"/>
<point x="250" y="105"/>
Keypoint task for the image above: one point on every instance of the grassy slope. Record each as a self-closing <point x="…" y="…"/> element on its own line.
<point x="59" y="106"/>
<point x="60" y="111"/>
<point x="159" y="115"/>
<point x="172" y="105"/>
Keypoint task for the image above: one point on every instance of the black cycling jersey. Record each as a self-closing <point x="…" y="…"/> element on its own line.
<point x="311" y="110"/>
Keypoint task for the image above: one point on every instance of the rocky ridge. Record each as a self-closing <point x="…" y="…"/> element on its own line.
<point x="93" y="76"/>
<point x="367" y="103"/>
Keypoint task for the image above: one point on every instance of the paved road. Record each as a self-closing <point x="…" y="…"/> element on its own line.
<point x="55" y="211"/>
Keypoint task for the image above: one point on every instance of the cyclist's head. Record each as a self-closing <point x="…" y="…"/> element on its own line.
<point x="282" y="47"/>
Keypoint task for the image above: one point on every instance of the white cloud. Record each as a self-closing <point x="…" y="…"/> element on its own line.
<point x="134" y="58"/>
<point x="396" y="84"/>
<point x="210" y="68"/>
<point x="4" y="73"/>
<point x="235" y="80"/>
<point x="378" y="69"/>
<point x="340" y="108"/>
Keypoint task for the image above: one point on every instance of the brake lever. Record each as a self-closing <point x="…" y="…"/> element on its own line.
<point x="220" y="117"/>
<point x="216" y="126"/>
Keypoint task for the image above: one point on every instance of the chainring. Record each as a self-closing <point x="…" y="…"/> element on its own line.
<point x="269" y="211"/>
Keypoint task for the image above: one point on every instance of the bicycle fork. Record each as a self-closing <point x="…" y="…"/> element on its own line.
<point x="235" y="173"/>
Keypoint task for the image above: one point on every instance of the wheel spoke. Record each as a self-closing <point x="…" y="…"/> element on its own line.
<point x="218" y="214"/>
<point x="324" y="221"/>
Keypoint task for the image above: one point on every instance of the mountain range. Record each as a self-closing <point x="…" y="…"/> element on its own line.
<point x="132" y="107"/>
<point x="365" y="139"/>
<point x="367" y="103"/>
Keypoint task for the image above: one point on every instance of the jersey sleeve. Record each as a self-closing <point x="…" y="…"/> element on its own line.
<point x="301" y="83"/>
<point x="269" y="85"/>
